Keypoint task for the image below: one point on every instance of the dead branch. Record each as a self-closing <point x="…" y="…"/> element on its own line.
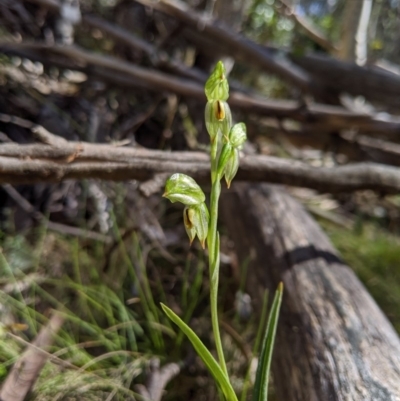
<point x="159" y="59"/>
<point x="369" y="81"/>
<point x="24" y="373"/>
<point x="311" y="30"/>
<point x="38" y="163"/>
<point x="126" y="74"/>
<point x="158" y="380"/>
<point x="40" y="133"/>
<point x="354" y="147"/>
<point x="374" y="83"/>
<point x="281" y="67"/>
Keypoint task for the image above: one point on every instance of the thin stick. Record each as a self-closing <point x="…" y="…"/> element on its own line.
<point x="25" y="371"/>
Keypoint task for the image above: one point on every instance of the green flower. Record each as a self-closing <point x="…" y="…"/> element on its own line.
<point x="217" y="87"/>
<point x="231" y="166"/>
<point x="196" y="219"/>
<point x="237" y="135"/>
<point x="184" y="189"/>
<point x="218" y="118"/>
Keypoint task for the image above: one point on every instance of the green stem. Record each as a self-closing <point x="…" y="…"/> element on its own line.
<point x="213" y="157"/>
<point x="213" y="252"/>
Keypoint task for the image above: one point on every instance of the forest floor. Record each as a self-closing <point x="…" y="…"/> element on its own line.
<point x="109" y="295"/>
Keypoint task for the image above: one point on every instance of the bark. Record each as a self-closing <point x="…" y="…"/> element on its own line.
<point x="307" y="26"/>
<point x="128" y="75"/>
<point x="314" y="72"/>
<point x="362" y="33"/>
<point x="80" y="160"/>
<point x="375" y="83"/>
<point x="351" y="19"/>
<point x="355" y="148"/>
<point x="219" y="32"/>
<point x="333" y="341"/>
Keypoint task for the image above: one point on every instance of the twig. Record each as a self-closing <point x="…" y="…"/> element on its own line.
<point x="158" y="380"/>
<point x="24" y="373"/>
<point x="40" y="133"/>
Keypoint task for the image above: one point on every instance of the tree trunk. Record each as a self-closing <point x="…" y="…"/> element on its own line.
<point x="333" y="341"/>
<point x="351" y="18"/>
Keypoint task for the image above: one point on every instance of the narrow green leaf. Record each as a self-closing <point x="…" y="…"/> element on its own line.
<point x="204" y="354"/>
<point x="260" y="392"/>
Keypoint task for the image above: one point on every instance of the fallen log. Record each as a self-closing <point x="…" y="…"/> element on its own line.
<point x="79" y="160"/>
<point x="333" y="341"/>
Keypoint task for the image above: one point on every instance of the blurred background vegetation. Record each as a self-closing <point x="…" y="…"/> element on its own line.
<point x="110" y="255"/>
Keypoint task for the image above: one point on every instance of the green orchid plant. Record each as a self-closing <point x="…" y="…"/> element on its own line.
<point x="225" y="140"/>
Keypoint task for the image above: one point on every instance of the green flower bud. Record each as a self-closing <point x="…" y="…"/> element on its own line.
<point x="231" y="166"/>
<point x="184" y="189"/>
<point x="237" y="135"/>
<point x="218" y="118"/>
<point x="196" y="219"/>
<point x="217" y="87"/>
<point x="224" y="157"/>
<point x="188" y="217"/>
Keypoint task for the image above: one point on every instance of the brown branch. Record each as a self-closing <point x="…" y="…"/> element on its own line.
<point x="372" y="82"/>
<point x="324" y="74"/>
<point x="40" y="133"/>
<point x="36" y="163"/>
<point x="311" y="30"/>
<point x="252" y="54"/>
<point x="335" y="76"/>
<point x="24" y="373"/>
<point x="159" y="59"/>
<point x="126" y="74"/>
<point x="354" y="147"/>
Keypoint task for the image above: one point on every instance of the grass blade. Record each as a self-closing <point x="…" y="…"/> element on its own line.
<point x="260" y="392"/>
<point x="204" y="354"/>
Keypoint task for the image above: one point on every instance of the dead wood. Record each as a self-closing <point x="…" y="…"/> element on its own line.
<point x="157" y="380"/>
<point x="25" y="371"/>
<point x="79" y="160"/>
<point x="370" y="81"/>
<point x="333" y="342"/>
<point x="307" y="26"/>
<point x="127" y="74"/>
<point x="314" y="73"/>
<point x="281" y="67"/>
<point x="354" y="147"/>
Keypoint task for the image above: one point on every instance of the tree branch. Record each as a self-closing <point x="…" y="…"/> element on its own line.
<point x="311" y="30"/>
<point x="38" y="163"/>
<point x="281" y="67"/>
<point x="126" y="74"/>
<point x="323" y="72"/>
